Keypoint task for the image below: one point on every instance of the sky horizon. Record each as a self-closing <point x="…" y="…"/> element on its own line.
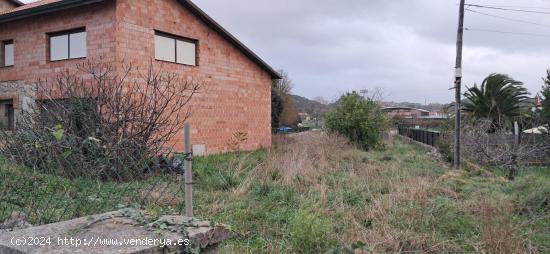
<point x="405" y="48"/>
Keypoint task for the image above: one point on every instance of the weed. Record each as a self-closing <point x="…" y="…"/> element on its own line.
<point x="310" y="231"/>
<point x="531" y="193"/>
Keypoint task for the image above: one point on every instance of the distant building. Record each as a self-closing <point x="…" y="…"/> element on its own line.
<point x="304" y="117"/>
<point x="406" y="112"/>
<point x="441" y="114"/>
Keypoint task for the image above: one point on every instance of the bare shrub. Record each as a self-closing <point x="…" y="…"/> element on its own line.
<point x="490" y="146"/>
<point x="94" y="122"/>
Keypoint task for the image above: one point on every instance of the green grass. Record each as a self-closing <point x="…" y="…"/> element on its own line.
<point x="47" y="199"/>
<point x="394" y="200"/>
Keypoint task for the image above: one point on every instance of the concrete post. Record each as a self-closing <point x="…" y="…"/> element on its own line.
<point x="188" y="171"/>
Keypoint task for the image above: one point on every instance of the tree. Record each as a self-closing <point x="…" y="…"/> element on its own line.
<point x="545" y="114"/>
<point x="289" y="116"/>
<point x="359" y="119"/>
<point x="283" y="86"/>
<point x="276" y="107"/>
<point x="500" y="99"/>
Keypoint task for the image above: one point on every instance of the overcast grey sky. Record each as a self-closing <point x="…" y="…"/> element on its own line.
<point x="405" y="47"/>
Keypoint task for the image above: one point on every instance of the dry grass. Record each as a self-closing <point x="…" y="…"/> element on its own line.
<point x="395" y="200"/>
<point x="303" y="157"/>
<point x="499" y="232"/>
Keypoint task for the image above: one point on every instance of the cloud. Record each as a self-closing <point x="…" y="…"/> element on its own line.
<point x="405" y="47"/>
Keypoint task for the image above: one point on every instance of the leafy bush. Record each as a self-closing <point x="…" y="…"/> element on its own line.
<point x="310" y="231"/>
<point x="361" y="120"/>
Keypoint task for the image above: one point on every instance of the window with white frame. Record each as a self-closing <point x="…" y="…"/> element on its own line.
<point x="175" y="49"/>
<point x="7" y="53"/>
<point x="68" y="45"/>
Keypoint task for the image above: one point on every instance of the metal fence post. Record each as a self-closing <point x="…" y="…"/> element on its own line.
<point x="188" y="171"/>
<point x="426" y="141"/>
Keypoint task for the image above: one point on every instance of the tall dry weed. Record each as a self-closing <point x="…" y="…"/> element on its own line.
<point x="499" y="232"/>
<point x="303" y="157"/>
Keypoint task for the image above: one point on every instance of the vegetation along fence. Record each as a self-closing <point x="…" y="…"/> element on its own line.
<point x="55" y="176"/>
<point x="424" y="136"/>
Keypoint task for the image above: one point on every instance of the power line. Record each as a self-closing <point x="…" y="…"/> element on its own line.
<point x="506" y="9"/>
<point x="509" y="19"/>
<point x="506" y="32"/>
<point x="521" y="7"/>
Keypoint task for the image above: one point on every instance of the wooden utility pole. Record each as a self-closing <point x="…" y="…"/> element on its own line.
<point x="458" y="84"/>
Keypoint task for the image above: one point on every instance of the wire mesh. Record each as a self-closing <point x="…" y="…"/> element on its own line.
<point x="50" y="177"/>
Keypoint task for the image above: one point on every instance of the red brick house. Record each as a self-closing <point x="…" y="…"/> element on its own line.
<point x="40" y="39"/>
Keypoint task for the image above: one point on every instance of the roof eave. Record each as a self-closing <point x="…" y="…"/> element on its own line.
<point x="17" y="2"/>
<point x="43" y="9"/>
<point x="228" y="36"/>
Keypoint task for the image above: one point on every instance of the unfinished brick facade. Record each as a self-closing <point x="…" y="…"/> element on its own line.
<point x="236" y="99"/>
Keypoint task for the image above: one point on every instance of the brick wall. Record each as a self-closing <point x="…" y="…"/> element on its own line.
<point x="238" y="94"/>
<point x="31" y="40"/>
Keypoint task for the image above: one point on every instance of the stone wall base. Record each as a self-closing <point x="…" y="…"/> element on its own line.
<point x="124" y="231"/>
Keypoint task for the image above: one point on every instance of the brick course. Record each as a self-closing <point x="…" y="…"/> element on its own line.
<point x="237" y="95"/>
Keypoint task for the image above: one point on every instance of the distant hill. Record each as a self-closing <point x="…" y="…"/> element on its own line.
<point x="313" y="108"/>
<point x="317" y="109"/>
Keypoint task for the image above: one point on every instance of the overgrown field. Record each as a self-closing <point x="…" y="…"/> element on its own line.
<point x="316" y="193"/>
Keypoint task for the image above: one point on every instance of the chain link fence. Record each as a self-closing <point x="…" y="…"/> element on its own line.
<point x="45" y="184"/>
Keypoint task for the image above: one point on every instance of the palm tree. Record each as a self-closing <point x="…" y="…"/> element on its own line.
<point x="500" y="99"/>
